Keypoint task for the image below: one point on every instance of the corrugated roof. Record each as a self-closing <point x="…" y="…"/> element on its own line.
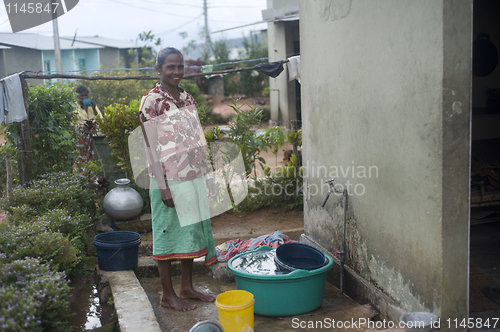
<point x="41" y="42"/>
<point x="107" y="42"/>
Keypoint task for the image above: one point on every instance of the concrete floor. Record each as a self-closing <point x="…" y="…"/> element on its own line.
<point x="484" y="253"/>
<point x="335" y="306"/>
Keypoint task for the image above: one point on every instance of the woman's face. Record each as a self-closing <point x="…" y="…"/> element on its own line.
<point x="172" y="70"/>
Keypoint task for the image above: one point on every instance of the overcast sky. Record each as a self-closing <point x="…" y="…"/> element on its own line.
<point x="125" y="19"/>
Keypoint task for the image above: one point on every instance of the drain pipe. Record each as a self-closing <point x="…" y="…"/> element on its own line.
<point x="340" y="252"/>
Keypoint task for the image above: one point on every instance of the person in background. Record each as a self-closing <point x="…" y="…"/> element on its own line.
<point x="86" y="107"/>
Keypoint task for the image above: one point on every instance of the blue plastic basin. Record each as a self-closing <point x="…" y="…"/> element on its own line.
<point x="293" y="256"/>
<point x="289" y="294"/>
<point x="117" y="251"/>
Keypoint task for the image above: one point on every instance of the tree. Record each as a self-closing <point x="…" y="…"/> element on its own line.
<point x="221" y="51"/>
<point x="146" y="56"/>
<point x="252" y="82"/>
<point x="53" y="131"/>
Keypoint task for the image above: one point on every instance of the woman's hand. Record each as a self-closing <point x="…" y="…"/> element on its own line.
<point x="166" y="197"/>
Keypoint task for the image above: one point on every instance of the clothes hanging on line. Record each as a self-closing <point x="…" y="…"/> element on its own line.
<point x="12" y="107"/>
<point x="207" y="69"/>
<point x="294" y="68"/>
<point x="272" y="69"/>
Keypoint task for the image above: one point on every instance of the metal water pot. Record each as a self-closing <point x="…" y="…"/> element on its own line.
<point x="123" y="202"/>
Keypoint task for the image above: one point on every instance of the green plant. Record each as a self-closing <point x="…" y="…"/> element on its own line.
<point x="109" y="92"/>
<point x="243" y="135"/>
<point x="69" y="191"/>
<point x="146" y="56"/>
<point x="275" y="139"/>
<point x="32" y="297"/>
<point x="116" y="123"/>
<point x="265" y="92"/>
<point x="52" y="118"/>
<point x="35" y="240"/>
<point x="295" y="138"/>
<point x="59" y="220"/>
<point x="252" y="82"/>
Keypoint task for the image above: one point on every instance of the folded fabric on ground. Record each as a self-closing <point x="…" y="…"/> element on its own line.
<point x="231" y="248"/>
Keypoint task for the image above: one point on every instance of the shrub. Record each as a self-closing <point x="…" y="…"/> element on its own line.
<point x="60" y="190"/>
<point x="53" y="132"/>
<point x="106" y="92"/>
<point x="283" y="189"/>
<point x="242" y="133"/>
<point x="116" y="123"/>
<point x="37" y="241"/>
<point x="32" y="297"/>
<point x="59" y="220"/>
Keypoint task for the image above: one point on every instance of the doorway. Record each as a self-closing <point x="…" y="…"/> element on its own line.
<point x="484" y="247"/>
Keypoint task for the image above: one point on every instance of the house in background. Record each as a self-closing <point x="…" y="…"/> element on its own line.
<point x="283" y="42"/>
<point x="32" y="52"/>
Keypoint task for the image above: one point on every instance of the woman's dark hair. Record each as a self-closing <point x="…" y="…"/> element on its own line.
<point x="162" y="55"/>
<point x="82" y="88"/>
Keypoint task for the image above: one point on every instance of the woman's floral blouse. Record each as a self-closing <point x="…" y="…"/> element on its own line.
<point x="180" y="146"/>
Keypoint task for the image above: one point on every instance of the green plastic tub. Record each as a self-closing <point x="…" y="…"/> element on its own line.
<point x="289" y="294"/>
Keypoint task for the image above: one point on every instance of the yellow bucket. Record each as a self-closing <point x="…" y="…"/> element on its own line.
<point x="235" y="310"/>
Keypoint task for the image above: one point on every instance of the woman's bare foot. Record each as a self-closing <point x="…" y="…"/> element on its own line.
<point x="194" y="295"/>
<point x="177" y="304"/>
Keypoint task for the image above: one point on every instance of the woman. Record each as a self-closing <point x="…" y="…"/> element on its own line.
<point x="169" y="127"/>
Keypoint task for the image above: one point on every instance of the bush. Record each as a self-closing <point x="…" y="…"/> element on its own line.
<point x="283" y="189"/>
<point x="52" y="119"/>
<point x="61" y="190"/>
<point x="37" y="241"/>
<point x="59" y="220"/>
<point x="117" y="122"/>
<point x="106" y="93"/>
<point x="32" y="297"/>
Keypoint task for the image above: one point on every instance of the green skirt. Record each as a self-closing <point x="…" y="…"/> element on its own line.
<point x="171" y="240"/>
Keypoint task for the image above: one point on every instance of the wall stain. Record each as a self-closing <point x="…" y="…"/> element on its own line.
<point x="340" y="10"/>
<point x="457" y="107"/>
<point x="324" y="225"/>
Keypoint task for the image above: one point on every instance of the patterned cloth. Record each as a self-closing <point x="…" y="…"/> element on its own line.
<point x="172" y="241"/>
<point x="231" y="248"/>
<point x="180" y="142"/>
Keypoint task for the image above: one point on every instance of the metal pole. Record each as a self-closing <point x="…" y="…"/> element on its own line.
<point x="8" y="165"/>
<point x="57" y="46"/>
<point x="207" y="37"/>
<point x="25" y="134"/>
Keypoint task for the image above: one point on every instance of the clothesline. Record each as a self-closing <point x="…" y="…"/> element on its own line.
<point x="36" y="75"/>
<point x="53" y="72"/>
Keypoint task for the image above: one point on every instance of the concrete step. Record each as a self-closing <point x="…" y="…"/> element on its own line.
<point x="134" y="311"/>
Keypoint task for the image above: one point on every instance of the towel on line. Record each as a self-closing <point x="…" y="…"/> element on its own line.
<point x="12" y="108"/>
<point x="294" y="68"/>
